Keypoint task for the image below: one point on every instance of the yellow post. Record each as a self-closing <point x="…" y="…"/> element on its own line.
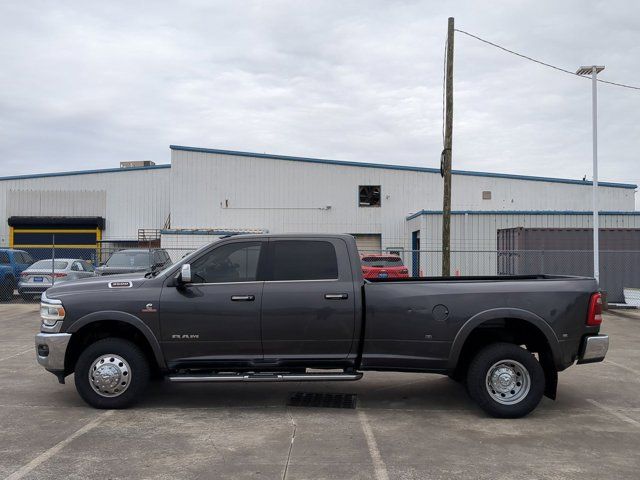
<point x="99" y="245"/>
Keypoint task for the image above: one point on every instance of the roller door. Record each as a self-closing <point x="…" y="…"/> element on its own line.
<point x="368" y="242"/>
<point x="72" y="237"/>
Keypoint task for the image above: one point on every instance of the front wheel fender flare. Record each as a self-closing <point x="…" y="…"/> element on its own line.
<point x="124" y="317"/>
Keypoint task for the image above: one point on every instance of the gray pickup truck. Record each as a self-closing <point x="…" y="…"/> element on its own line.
<point x="296" y="308"/>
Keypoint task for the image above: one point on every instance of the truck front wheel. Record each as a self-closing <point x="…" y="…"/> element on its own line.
<point x="506" y="381"/>
<point x="111" y="373"/>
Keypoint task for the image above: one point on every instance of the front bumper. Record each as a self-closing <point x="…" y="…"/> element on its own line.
<point x="51" y="349"/>
<point x="593" y="348"/>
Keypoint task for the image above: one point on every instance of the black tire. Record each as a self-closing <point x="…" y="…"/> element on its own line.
<point x="137" y="373"/>
<point x="512" y="359"/>
<point x="7" y="286"/>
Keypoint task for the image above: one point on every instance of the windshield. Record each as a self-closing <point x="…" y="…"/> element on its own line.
<point x="129" y="259"/>
<point x="389" y="261"/>
<point x="46" y="265"/>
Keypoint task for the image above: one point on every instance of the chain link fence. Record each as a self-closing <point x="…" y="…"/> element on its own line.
<point x="619" y="269"/>
<point x="25" y="274"/>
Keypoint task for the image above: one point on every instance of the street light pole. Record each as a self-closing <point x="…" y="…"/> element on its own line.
<point x="594" y="70"/>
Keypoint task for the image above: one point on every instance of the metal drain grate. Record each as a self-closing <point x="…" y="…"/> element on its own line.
<point x="322" y="400"/>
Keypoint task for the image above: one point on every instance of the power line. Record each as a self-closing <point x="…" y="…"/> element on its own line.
<point x="543" y="63"/>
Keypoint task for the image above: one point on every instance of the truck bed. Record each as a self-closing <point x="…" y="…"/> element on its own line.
<point x="483" y="278"/>
<point x="415" y="323"/>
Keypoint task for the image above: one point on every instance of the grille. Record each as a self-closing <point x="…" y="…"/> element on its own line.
<point x="322" y="400"/>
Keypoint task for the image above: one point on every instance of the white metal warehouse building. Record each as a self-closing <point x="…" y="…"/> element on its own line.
<point x="204" y="193"/>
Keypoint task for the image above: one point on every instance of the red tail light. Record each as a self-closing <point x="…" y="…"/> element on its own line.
<point x="594" y="318"/>
<point x="24" y="274"/>
<point x="58" y="275"/>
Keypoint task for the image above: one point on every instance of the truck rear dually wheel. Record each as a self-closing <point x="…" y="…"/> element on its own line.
<point x="111" y="373"/>
<point x="506" y="381"/>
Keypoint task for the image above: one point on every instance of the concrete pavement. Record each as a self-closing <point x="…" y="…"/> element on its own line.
<point x="406" y="426"/>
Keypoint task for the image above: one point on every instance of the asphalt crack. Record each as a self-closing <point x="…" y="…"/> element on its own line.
<point x="293" y="438"/>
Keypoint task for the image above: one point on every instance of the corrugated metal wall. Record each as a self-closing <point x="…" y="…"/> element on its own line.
<point x="78" y="203"/>
<point x="245" y="192"/>
<point x="292" y="196"/>
<point x="288" y="196"/>
<point x="134" y="199"/>
<point x="474" y="236"/>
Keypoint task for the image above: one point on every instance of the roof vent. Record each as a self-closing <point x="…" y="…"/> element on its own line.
<point x="139" y="163"/>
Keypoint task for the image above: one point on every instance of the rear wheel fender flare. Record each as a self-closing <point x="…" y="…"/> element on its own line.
<point x="498" y="314"/>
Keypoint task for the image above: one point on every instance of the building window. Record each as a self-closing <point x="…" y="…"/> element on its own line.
<point x="486" y="195"/>
<point x="369" y="195"/>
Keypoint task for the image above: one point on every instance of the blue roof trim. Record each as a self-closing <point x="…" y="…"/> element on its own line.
<point x="83" y="172"/>
<point x="396" y="167"/>
<point x="518" y="212"/>
<point x="197" y="231"/>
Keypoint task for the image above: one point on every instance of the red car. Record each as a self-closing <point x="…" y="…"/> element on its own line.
<point x="383" y="266"/>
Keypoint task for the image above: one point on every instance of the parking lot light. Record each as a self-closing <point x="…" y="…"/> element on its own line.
<point x="593" y="70"/>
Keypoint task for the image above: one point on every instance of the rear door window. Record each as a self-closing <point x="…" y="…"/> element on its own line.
<point x="303" y="260"/>
<point x="4" y="258"/>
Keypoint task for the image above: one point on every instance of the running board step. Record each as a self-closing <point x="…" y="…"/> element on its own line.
<point x="268" y="377"/>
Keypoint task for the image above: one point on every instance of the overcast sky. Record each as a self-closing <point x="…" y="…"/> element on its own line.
<point x="89" y="84"/>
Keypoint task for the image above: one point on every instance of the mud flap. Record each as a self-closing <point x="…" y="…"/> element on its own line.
<point x="550" y="374"/>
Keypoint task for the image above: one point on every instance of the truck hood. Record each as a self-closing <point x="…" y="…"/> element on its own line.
<point x="109" y="282"/>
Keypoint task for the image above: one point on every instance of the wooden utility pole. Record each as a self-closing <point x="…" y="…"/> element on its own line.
<point x="446" y="156"/>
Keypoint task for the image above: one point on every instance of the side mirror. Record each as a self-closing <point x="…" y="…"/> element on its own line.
<point x="185" y="273"/>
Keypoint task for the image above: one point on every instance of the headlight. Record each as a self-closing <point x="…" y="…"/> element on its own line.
<point x="51" y="313"/>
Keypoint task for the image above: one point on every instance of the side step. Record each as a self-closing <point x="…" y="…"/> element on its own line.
<point x="267" y="377"/>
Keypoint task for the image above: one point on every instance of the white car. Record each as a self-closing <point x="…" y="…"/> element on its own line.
<point x="45" y="273"/>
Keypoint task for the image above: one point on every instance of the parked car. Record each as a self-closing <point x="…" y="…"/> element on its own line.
<point x="135" y="260"/>
<point x="383" y="266"/>
<point x="265" y="308"/>
<point x="45" y="273"/>
<point x="12" y="263"/>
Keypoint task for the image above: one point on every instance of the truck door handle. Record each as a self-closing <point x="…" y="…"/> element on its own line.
<point x="336" y="296"/>
<point x="242" y="298"/>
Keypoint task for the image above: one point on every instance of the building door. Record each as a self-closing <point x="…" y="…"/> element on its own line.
<point x="72" y="237"/>
<point x="368" y="242"/>
<point x="415" y="255"/>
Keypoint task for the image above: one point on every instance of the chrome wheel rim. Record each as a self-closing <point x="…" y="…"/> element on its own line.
<point x="109" y="375"/>
<point x="508" y="382"/>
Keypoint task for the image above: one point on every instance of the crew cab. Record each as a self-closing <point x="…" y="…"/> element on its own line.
<point x="274" y="307"/>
